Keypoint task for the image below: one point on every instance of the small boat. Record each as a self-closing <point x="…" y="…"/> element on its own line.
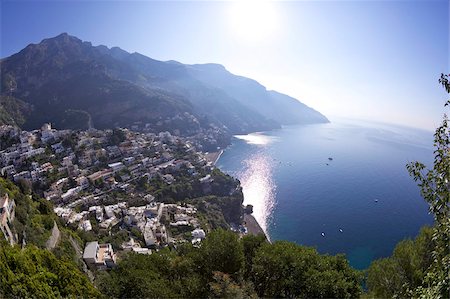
<point x="331" y="159"/>
<point x="376" y="200"/>
<point x="323" y="234"/>
<point x="340" y="230"/>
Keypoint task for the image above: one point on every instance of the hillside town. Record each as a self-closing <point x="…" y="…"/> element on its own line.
<point x="114" y="182"/>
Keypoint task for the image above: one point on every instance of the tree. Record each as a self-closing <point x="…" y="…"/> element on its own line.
<point x="222" y="251"/>
<point x="435" y="189"/>
<point x="138" y="276"/>
<point x="405" y="270"/>
<point x="251" y="244"/>
<point x="37" y="273"/>
<point x="160" y="275"/>
<point x="284" y="269"/>
<point x="118" y="135"/>
<point x="223" y="286"/>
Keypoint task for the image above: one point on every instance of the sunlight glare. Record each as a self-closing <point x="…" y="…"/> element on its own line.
<point x="257" y="138"/>
<point x="259" y="188"/>
<point x="254" y="20"/>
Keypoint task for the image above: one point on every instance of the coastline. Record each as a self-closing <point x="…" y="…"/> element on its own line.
<point x="241" y="160"/>
<point x="250" y="222"/>
<point x="218" y="157"/>
<point x="213" y="157"/>
<point x="253" y="227"/>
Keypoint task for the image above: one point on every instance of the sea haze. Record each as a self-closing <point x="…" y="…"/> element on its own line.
<point x="361" y="203"/>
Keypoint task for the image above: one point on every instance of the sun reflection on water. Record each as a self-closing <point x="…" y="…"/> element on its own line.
<point x="257" y="138"/>
<point x="258" y="187"/>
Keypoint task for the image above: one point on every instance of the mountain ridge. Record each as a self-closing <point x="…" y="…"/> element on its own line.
<point x="118" y="88"/>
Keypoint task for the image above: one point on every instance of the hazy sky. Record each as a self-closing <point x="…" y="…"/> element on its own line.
<point x="376" y="60"/>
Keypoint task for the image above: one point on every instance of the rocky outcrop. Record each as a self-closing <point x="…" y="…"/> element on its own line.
<point x="54" y="237"/>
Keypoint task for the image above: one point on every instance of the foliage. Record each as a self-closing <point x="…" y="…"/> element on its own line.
<point x="70" y="141"/>
<point x="250" y="245"/>
<point x="284" y="269"/>
<point x="222" y="252"/>
<point x="7" y="140"/>
<point x="405" y="270"/>
<point x="118" y="135"/>
<point x="37" y="273"/>
<point x="223" y="286"/>
<point x="34" y="216"/>
<point x="65" y="250"/>
<point x="75" y="119"/>
<point x="420" y="268"/>
<point x="12" y="111"/>
<point x="161" y="275"/>
<point x="223" y="184"/>
<point x="218" y="267"/>
<point x="33" y="272"/>
<point x="217" y="212"/>
<point x="116" y="239"/>
<point x="435" y="189"/>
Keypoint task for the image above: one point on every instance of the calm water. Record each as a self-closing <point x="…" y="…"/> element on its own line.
<point x="363" y="201"/>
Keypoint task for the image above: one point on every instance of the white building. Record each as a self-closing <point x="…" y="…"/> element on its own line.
<point x="99" y="256"/>
<point x="86" y="225"/>
<point x="198" y="233"/>
<point x="46" y="133"/>
<point x="115" y="167"/>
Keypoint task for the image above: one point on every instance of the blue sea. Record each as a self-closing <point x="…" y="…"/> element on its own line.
<point x="360" y="203"/>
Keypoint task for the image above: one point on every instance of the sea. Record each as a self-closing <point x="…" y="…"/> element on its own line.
<point x="340" y="187"/>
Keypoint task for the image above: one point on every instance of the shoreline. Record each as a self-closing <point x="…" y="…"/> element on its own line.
<point x="252" y="225"/>
<point x="214" y="156"/>
<point x="218" y="156"/>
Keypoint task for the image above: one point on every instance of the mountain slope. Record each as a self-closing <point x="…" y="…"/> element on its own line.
<point x="63" y="74"/>
<point x="291" y="111"/>
<point x="271" y="104"/>
<point x="207" y="100"/>
<point x="73" y="84"/>
<point x="12" y="111"/>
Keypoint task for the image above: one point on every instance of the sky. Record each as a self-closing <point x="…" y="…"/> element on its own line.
<point x="371" y="60"/>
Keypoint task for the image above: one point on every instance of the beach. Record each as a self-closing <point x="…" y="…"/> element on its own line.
<point x="253" y="226"/>
<point x="213" y="157"/>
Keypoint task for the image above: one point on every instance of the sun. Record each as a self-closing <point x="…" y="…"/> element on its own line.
<point x="254" y="20"/>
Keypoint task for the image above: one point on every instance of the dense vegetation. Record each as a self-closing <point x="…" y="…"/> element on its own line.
<point x="12" y="111"/>
<point x="421" y="268"/>
<point x="37" y="273"/>
<point x="226" y="266"/>
<point x="405" y="270"/>
<point x="34" y="216"/>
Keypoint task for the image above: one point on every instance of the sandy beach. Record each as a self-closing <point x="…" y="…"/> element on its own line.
<point x="214" y="156"/>
<point x="252" y="225"/>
